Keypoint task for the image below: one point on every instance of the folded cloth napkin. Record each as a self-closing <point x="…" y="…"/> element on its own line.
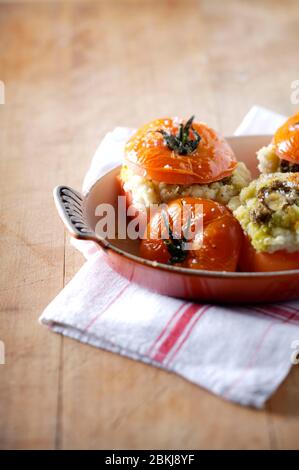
<point x="240" y="353"/>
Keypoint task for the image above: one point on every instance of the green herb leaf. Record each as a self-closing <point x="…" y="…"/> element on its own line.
<point x="175" y="246"/>
<point x="181" y="143"/>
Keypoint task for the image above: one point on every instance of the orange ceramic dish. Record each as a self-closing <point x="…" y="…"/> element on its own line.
<point x="79" y="215"/>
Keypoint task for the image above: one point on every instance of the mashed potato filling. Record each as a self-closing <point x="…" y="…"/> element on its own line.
<point x="268" y="211"/>
<point x="145" y="192"/>
<point x="269" y="162"/>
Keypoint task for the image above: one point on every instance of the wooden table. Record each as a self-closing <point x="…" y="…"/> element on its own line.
<point x="72" y="71"/>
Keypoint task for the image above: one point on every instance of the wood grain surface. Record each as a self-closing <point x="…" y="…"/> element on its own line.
<point x="72" y="71"/>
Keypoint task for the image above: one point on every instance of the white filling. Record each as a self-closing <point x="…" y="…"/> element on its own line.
<point x="268" y="160"/>
<point x="146" y="192"/>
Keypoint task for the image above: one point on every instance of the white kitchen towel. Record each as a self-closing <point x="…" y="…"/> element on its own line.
<point x="240" y="353"/>
<point x="260" y="120"/>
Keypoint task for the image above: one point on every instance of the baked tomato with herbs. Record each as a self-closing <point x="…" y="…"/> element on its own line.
<point x="175" y="152"/>
<point x="286" y="140"/>
<point x="255" y="261"/>
<point x="214" y="245"/>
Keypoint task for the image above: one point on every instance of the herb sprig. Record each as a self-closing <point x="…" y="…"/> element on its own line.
<point x="181" y="143"/>
<point x="175" y="246"/>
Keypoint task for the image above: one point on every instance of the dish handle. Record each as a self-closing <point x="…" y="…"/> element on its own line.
<point x="70" y="206"/>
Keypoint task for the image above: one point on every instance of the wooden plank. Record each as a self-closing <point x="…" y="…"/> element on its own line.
<point x="32" y="246"/>
<point x="249" y="62"/>
<point x="283" y="413"/>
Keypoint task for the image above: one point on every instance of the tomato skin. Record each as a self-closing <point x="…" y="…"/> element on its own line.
<point x="221" y="247"/>
<point x="154" y="250"/>
<point x="147" y="155"/>
<point x="286" y="140"/>
<point x="222" y="237"/>
<point x="253" y="261"/>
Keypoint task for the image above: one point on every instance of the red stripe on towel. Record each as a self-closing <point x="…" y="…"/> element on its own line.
<point x="164" y="330"/>
<point x="176" y="332"/>
<point x="178" y="348"/>
<point x="254" y="355"/>
<point x="279" y="312"/>
<point x="293" y="309"/>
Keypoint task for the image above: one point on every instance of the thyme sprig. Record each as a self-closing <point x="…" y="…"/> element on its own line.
<point x="175" y="246"/>
<point x="181" y="143"/>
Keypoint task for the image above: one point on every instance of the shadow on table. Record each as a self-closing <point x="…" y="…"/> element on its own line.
<point x="285" y="400"/>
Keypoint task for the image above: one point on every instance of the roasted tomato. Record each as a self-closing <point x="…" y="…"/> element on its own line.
<point x="174" y="152"/>
<point x="286" y="140"/>
<point x="254" y="261"/>
<point x="215" y="248"/>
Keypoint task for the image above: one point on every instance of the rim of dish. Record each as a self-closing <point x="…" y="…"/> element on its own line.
<point x="198" y="272"/>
